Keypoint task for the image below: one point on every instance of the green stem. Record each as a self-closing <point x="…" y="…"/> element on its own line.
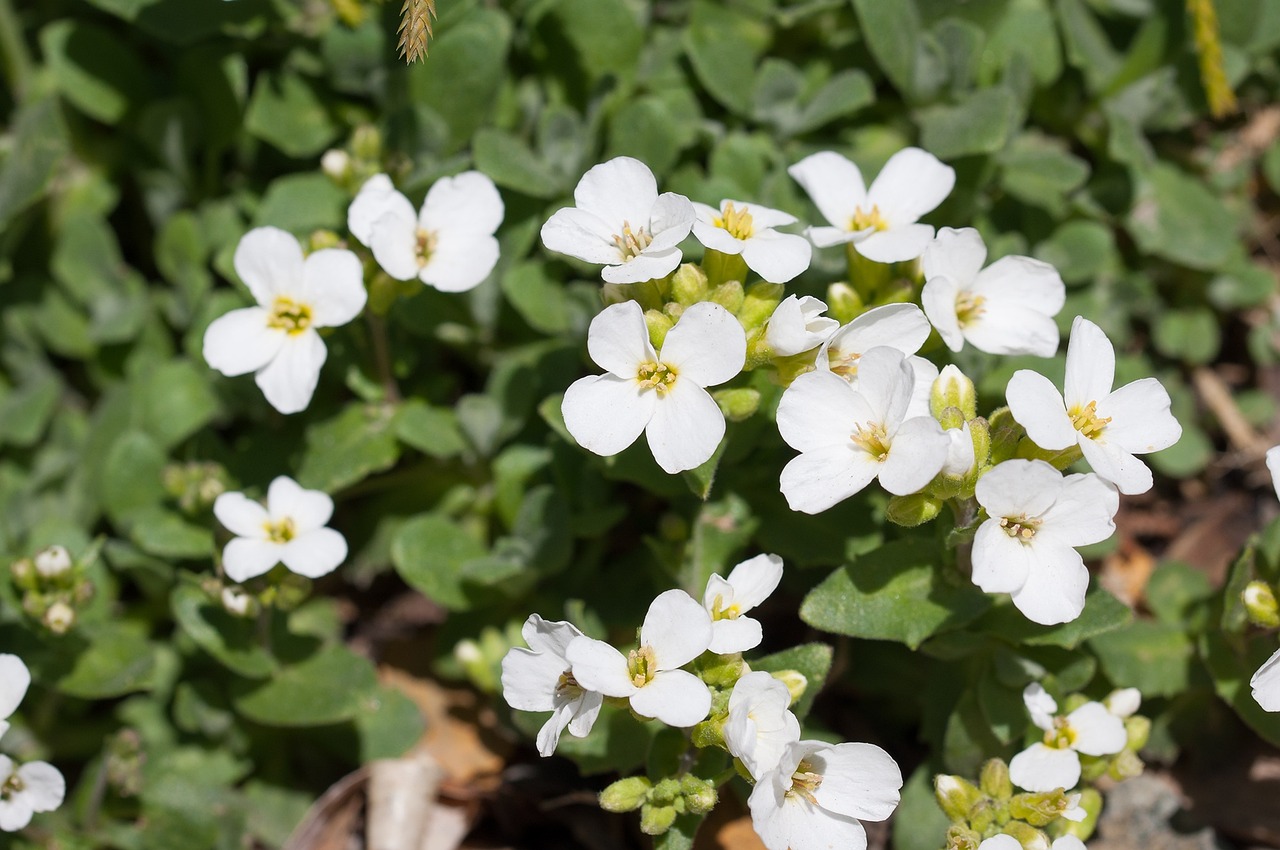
<point x="382" y="355"/>
<point x="13" y="52"/>
<point x="722" y="268"/>
<point x="867" y="277"/>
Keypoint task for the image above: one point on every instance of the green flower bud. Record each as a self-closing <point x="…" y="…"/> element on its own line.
<point x="994" y="780"/>
<point x="758" y="303"/>
<point x="655" y="820"/>
<point x="321" y="239"/>
<point x="1125" y="765"/>
<point x="950" y="417"/>
<point x="729" y="295"/>
<point x="1072" y="702"/>
<point x="737" y="404"/>
<point x="843" y="303"/>
<point x="722" y="267"/>
<point x="1260" y="604"/>
<point x="719" y="671"/>
<point x="689" y="285"/>
<point x="699" y="794"/>
<point x="24" y="573"/>
<point x="956" y="796"/>
<point x="366" y="143"/>
<point x="665" y="791"/>
<point x="1138" y="730"/>
<point x="984" y="814"/>
<point x="980" y="432"/>
<point x="961" y="837"/>
<point x="336" y="165"/>
<point x="237" y="603"/>
<point x="291" y="591"/>
<point x="953" y="389"/>
<point x="1005" y="434"/>
<point x="1093" y="767"/>
<point x="1028" y="836"/>
<point x="626" y="795"/>
<point x="913" y="510"/>
<point x="1038" y="809"/>
<point x="658" y="323"/>
<point x="797" y="683"/>
<point x="708" y="734"/>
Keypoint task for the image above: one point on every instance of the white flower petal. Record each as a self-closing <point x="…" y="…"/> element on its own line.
<point x="376" y="198"/>
<point x="918" y="451"/>
<point x="1069" y="842"/>
<point x="529" y="679"/>
<point x="1000" y="563"/>
<point x="818" y="479"/>
<point x="1141" y="421"/>
<point x="1098" y="731"/>
<point x="896" y="244"/>
<point x="1040" y="768"/>
<point x="240" y="342"/>
<point x="858" y="780"/>
<point x="394" y="242"/>
<point x="605" y="414"/>
<point x="620" y="190"/>
<point x="460" y="261"/>
<point x="777" y="257"/>
<point x="686" y="427"/>
<point x="580" y="234"/>
<point x="309" y="509"/>
<point x="954" y="253"/>
<point x="1019" y="487"/>
<point x="1040" y="705"/>
<point x="717" y="238"/>
<point x="939" y="301"/>
<point x="651" y="265"/>
<point x="1091" y="364"/>
<point x="15" y="678"/>
<point x="825" y="237"/>
<point x="549" y="636"/>
<point x="1037" y="406"/>
<point x="887" y="382"/>
<point x="269" y="261"/>
<point x="549" y="735"/>
<point x="707" y="345"/>
<point x="15" y="813"/>
<point x="740" y="635"/>
<point x="599" y="667"/>
<point x="243" y="558"/>
<point x="900" y="326"/>
<point x="912" y="183"/>
<point x="677" y="628"/>
<point x="676" y="697"/>
<point x="467" y="202"/>
<point x="315" y="553"/>
<point x="1000" y="842"/>
<point x="1005" y="328"/>
<point x="960" y="457"/>
<point x="797" y="325"/>
<point x="1024" y="282"/>
<point x="1123" y="702"/>
<point x="618" y="339"/>
<point x="1112" y="463"/>
<point x="1083" y="512"/>
<point x="754" y="580"/>
<point x="834" y="183"/>
<point x="289" y="380"/>
<point x="762" y="218"/>
<point x="1266" y="684"/>
<point x="819" y="411"/>
<point x="670" y="221"/>
<point x="45" y="787"/>
<point x="333" y="286"/>
<point x="585" y="714"/>
<point x="1054" y="590"/>
<point x="240" y="515"/>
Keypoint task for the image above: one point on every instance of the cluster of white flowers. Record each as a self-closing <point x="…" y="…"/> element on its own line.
<point x="33" y="787"/>
<point x="290" y="529"/>
<point x="808" y="794"/>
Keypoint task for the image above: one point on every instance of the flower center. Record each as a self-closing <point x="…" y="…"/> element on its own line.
<point x="867" y="219"/>
<point x="844" y="364"/>
<point x="568" y="688"/>
<point x="736" y="221"/>
<point x="642" y="666"/>
<point x="872" y="439"/>
<point x="281" y="531"/>
<point x="805" y="782"/>
<point x="1020" y="528"/>
<point x="292" y="317"/>
<point x="13" y="785"/>
<point x="424" y="245"/>
<point x="656" y="376"/>
<point x="1087" y="421"/>
<point x="969" y="307"/>
<point x="720" y="611"/>
<point x="1061" y="736"/>
<point x="631" y="243"/>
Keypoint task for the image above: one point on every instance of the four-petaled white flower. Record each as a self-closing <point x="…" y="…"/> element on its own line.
<point x="660" y="394"/>
<point x="1006" y="308"/>
<point x="34" y="787"/>
<point x="1265" y="684"/>
<point x="1110" y="427"/>
<point x="748" y="229"/>
<point x="14" y="681"/>
<point x="899" y="326"/>
<point x="277" y="339"/>
<point x="676" y="630"/>
<point x="818" y="793"/>
<point x="760" y="726"/>
<point x="848" y="436"/>
<point x="290" y="529"/>
<point x="1055" y="762"/>
<point x="622" y="222"/>
<point x="797" y="325"/>
<point x="448" y="244"/>
<point x="727" y="599"/>
<point x="540" y="679"/>
<point x="1027" y="547"/>
<point x="880" y="221"/>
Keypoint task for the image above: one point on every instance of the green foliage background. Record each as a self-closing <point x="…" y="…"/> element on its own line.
<point x="145" y="137"/>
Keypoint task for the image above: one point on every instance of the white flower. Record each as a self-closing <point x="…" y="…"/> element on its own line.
<point x="880" y="221"/>
<point x="1265" y="684"/>
<point x="727" y="599"/>
<point x="278" y="338"/>
<point x="748" y="229"/>
<point x="53" y="561"/>
<point x="1123" y="702"/>
<point x="661" y="394"/>
<point x="848" y="436"/>
<point x="814" y="798"/>
<point x="960" y="456"/>
<point x="1006" y="308"/>
<point x="35" y="787"/>
<point x="622" y="222"/>
<point x="1110" y="427"/>
<point x="759" y="726"/>
<point x="1273" y="466"/>
<point x="448" y="244"/>
<point x="1055" y="763"/>
<point x="1008" y="842"/>
<point x="539" y="679"/>
<point x="899" y="326"/>
<point x="290" y="529"/>
<point x="1026" y="548"/>
<point x="676" y="630"/>
<point x="797" y="325"/>
<point x="15" y="678"/>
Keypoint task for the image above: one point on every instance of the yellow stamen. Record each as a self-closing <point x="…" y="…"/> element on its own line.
<point x="631" y="242"/>
<point x="281" y="531"/>
<point x="872" y="439"/>
<point x="656" y="376"/>
<point x="720" y="611"/>
<point x="12" y="785"/>
<point x="1061" y="736"/>
<point x="969" y="307"/>
<point x="641" y="666"/>
<point x="292" y="317"/>
<point x="1087" y="421"/>
<point x="425" y="245"/>
<point x="568" y="686"/>
<point x="1020" y="528"/>
<point x="844" y="365"/>
<point x="805" y="782"/>
<point x="736" y="221"/>
<point x="867" y="219"/>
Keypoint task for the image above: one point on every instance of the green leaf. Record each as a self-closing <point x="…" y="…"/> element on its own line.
<point x="968" y="740"/>
<point x="347" y="448"/>
<point x="115" y="659"/>
<point x="27" y="409"/>
<point x="1189" y="334"/>
<point x="286" y="112"/>
<point x="978" y="124"/>
<point x="918" y="823"/>
<point x="617" y="743"/>
<point x="1002" y="707"/>
<point x="165" y="534"/>
<point x="892" y="33"/>
<point x="1041" y="171"/>
<point x="301" y="203"/>
<point x="39" y="144"/>
<point x="1176" y="592"/>
<point x="1232" y="663"/>
<point x="1025" y="32"/>
<point x="1080" y="250"/>
<point x="390" y="724"/>
<point x="839" y="97"/>
<point x="723" y="44"/>
<point x="1156" y="658"/>
<point x="605" y="35"/>
<point x="1088" y="48"/>
<point x="1176" y="217"/>
<point x="429" y="553"/>
<point x="176" y="401"/>
<point x="646" y="128"/>
<point x="813" y="660"/>
<point x="331" y="686"/>
<point x="680" y="835"/>
<point x="94" y="69"/>
<point x="431" y="430"/>
<point x="512" y="164"/>
<point x="232" y="641"/>
<point x="132" y="477"/>
<point x="897" y="592"/>
<point x="1102" y="613"/>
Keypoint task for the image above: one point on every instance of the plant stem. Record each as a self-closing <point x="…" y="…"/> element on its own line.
<point x="382" y="355"/>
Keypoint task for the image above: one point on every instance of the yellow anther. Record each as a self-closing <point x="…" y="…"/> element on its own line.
<point x="568" y="686"/>
<point x="969" y="307"/>
<point x="281" y="531"/>
<point x="720" y="611"/>
<point x="805" y="782"/>
<point x="641" y="666"/>
<point x="1020" y="528"/>
<point x="1061" y="736"/>
<point x="630" y="243"/>
<point x="867" y="219"/>
<point x="425" y="244"/>
<point x="736" y="221"/>
<point x="656" y="376"/>
<point x="872" y="439"/>
<point x="288" y="315"/>
<point x="844" y="365"/>
<point x="1087" y="421"/>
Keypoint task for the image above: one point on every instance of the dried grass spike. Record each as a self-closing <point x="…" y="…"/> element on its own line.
<point x="415" y="28"/>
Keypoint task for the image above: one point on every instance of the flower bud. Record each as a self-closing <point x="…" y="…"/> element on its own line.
<point x="321" y="239"/>
<point x="238" y="603"/>
<point x="1005" y="434"/>
<point x="1123" y="702"/>
<point x="956" y="796"/>
<point x="336" y="164"/>
<point x="950" y="418"/>
<point x="729" y="295"/>
<point x="719" y="671"/>
<point x="59" y="618"/>
<point x="984" y="814"/>
<point x="980" y="433"/>
<point x="737" y="404"/>
<point x="1028" y="836"/>
<point x="665" y="791"/>
<point x="699" y="794"/>
<point x="655" y="820"/>
<point x="1138" y="730"/>
<point x="53" y="562"/>
<point x="24" y="573"/>
<point x="689" y="284"/>
<point x="758" y="303"/>
<point x="845" y="303"/>
<point x="1125" y="765"/>
<point x="797" y="683"/>
<point x="952" y="388"/>
<point x="1260" y="604"/>
<point x="994" y="779"/>
<point x="658" y="323"/>
<point x="708" y="734"/>
<point x="1038" y="809"/>
<point x="913" y="510"/>
<point x="961" y="837"/>
<point x="1091" y="801"/>
<point x="366" y="143"/>
<point x="626" y="795"/>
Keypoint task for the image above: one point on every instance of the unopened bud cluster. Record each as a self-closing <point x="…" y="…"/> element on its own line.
<point x="53" y="586"/>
